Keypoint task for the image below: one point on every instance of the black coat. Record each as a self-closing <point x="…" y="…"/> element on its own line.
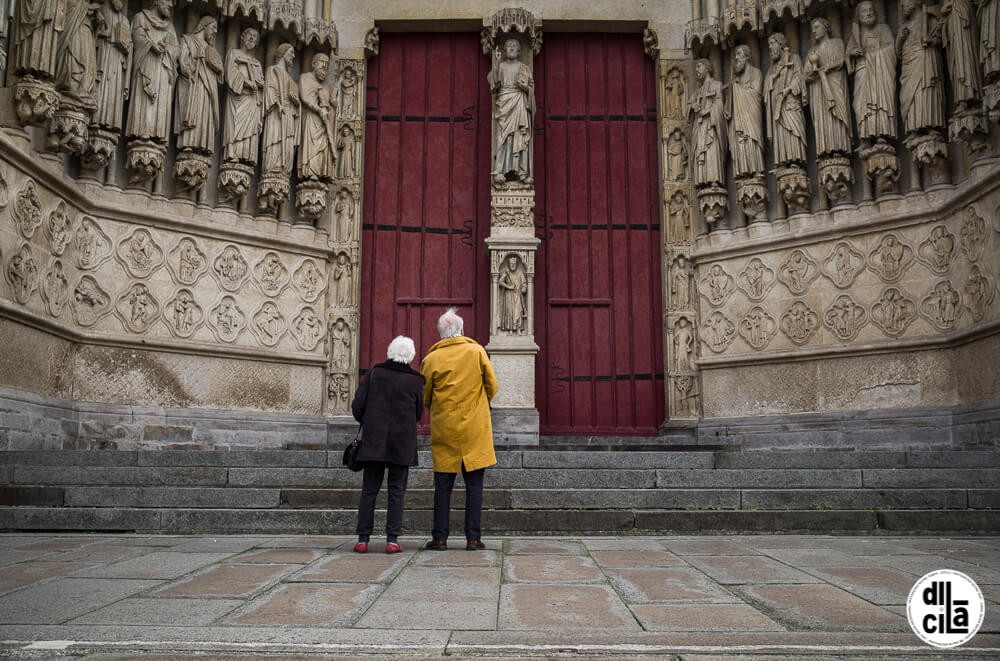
<point x="388" y="404"/>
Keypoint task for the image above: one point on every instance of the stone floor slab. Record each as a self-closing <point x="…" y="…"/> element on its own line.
<point x="550" y="569"/>
<point x="350" y="567"/>
<point x="309" y="604"/>
<point x="711" y="546"/>
<point x="63" y="599"/>
<point x="919" y="565"/>
<point x="158" y="564"/>
<point x="737" y="570"/>
<point x="227" y="581"/>
<point x="824" y="607"/>
<point x="458" y="559"/>
<point x="878" y="585"/>
<point x="630" y="558"/>
<point x="667" y="584"/>
<point x="215" y="544"/>
<point x="101" y="553"/>
<point x="60" y="543"/>
<point x="816" y="557"/>
<point x="622" y="544"/>
<point x="717" y="617"/>
<point x="16" y="576"/>
<point x="544" y="547"/>
<point x="277" y="557"/>
<point x="328" y="542"/>
<point x="147" y="611"/>
<point x="562" y="607"/>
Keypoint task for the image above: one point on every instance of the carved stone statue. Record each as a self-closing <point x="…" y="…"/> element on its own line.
<point x="245" y="85"/>
<point x="676" y="92"/>
<point x="960" y="42"/>
<point x="827" y="80"/>
<point x="343" y="281"/>
<point x="513" y="111"/>
<point x="76" y="55"/>
<point x="921" y="93"/>
<point x="200" y="67"/>
<point x="680" y="283"/>
<point x="114" y="65"/>
<point x="513" y="294"/>
<point x="340" y="354"/>
<point x="677" y="156"/>
<point x="316" y="159"/>
<point x="683" y="346"/>
<point x="745" y="112"/>
<point x="38" y="25"/>
<point x="989" y="38"/>
<point x="348" y="100"/>
<point x="785" y="95"/>
<point x="705" y="108"/>
<point x="346" y="147"/>
<point x="154" y="71"/>
<point x="872" y="54"/>
<point x="343" y="209"/>
<point x="281" y="128"/>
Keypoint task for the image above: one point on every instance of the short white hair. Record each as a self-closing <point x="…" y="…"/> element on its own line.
<point x="401" y="350"/>
<point x="450" y="324"/>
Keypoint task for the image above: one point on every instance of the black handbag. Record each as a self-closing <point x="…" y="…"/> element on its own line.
<point x="351" y="454"/>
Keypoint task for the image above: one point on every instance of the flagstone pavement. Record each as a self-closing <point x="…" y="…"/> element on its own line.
<point x="111" y="596"/>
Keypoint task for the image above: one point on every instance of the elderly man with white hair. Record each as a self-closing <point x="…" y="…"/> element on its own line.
<point x="459" y="384"/>
<point x="388" y="404"/>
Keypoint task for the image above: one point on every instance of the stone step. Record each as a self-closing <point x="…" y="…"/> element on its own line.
<point x="857" y="459"/>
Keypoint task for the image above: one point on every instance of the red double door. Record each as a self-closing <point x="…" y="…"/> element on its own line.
<point x="598" y="305"/>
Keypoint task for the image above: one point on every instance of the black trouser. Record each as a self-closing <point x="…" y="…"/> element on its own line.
<point x="443" y="485"/>
<point x="396" y="487"/>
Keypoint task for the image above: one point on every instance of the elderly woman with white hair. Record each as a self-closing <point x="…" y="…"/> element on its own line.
<point x="388" y="404"/>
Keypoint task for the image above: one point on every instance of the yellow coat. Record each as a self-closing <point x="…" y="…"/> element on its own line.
<point x="459" y="385"/>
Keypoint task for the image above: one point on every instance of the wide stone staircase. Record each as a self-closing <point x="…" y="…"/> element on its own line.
<point x="550" y="489"/>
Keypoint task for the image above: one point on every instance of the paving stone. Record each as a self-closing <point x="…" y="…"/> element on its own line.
<point x="307" y="541"/>
<point x="278" y="557"/>
<point x="624" y="558"/>
<point x="875" y="584"/>
<point x="350" y="567"/>
<point x="458" y="558"/>
<point x="309" y="604"/>
<point x="667" y="584"/>
<point x="563" y="607"/>
<point x="64" y="543"/>
<point x="13" y="556"/>
<point x="689" y="617"/>
<point x="822" y="607"/>
<point x="227" y="581"/>
<point x="544" y="547"/>
<point x="146" y="611"/>
<point x="873" y="546"/>
<point x="25" y="573"/>
<point x="218" y="544"/>
<point x="661" y="521"/>
<point x="158" y="564"/>
<point x="550" y="569"/>
<point x="737" y="570"/>
<point x="924" y="564"/>
<point x="816" y="557"/>
<point x="99" y="554"/>
<point x="622" y="544"/>
<point x="63" y="599"/>
<point x="713" y="546"/>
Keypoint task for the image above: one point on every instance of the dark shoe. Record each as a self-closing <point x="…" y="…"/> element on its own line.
<point x="393" y="547"/>
<point x="436" y="545"/>
<point x="361" y="547"/>
<point x="475" y="545"/>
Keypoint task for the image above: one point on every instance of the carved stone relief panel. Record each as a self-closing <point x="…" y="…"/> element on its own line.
<point x="93" y="246"/>
<point x="891" y="258"/>
<point x="675" y="155"/>
<point x="137" y="308"/>
<point x="55" y="289"/>
<point x="230" y="268"/>
<point x="798" y="272"/>
<point x="139" y="253"/>
<point x="27" y="211"/>
<point x="717" y="285"/>
<point x="227" y="320"/>
<point x="268" y="324"/>
<point x="936" y="251"/>
<point x="90" y="302"/>
<point x="942" y="306"/>
<point x="687" y="393"/>
<point x="58" y="227"/>
<point x="22" y="274"/>
<point x="682" y="345"/>
<point x="341" y="338"/>
<point x="344" y="208"/>
<point x="186" y="262"/>
<point x="681" y="276"/>
<point x="270" y="274"/>
<point x="758" y="328"/>
<point x="182" y="314"/>
<point x="343" y="281"/>
<point x="845" y="318"/>
<point x="307" y="329"/>
<point x="674" y="90"/>
<point x="756" y="280"/>
<point x="309" y="280"/>
<point x="717" y="331"/>
<point x="893" y="312"/>
<point x="843" y="265"/>
<point x="799" y="322"/>
<point x="339" y="392"/>
<point x="973" y="234"/>
<point x="979" y="293"/>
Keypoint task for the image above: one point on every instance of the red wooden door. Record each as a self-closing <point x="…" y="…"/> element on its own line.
<point x="598" y="299"/>
<point x="426" y="205"/>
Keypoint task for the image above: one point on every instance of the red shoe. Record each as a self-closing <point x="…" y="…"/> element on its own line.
<point x="393" y="547"/>
<point x="361" y="547"/>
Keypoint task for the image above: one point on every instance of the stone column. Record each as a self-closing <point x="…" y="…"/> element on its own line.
<point x="512" y="37"/>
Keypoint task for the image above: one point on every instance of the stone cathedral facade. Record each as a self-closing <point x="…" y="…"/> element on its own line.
<point x="765" y="222"/>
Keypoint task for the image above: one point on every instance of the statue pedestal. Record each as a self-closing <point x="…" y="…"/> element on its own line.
<point x="515" y="417"/>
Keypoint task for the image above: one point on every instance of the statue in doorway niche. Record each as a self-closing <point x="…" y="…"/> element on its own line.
<point x="244" y="112"/>
<point x="316" y="154"/>
<point x="114" y="64"/>
<point x="513" y="283"/>
<point x="827" y="80"/>
<point x="513" y="111"/>
<point x="281" y="129"/>
<point x="958" y="31"/>
<point x="153" y="73"/>
<point x="706" y="109"/>
<point x="200" y="68"/>
<point x="785" y="95"/>
<point x="744" y="114"/>
<point x="872" y="57"/>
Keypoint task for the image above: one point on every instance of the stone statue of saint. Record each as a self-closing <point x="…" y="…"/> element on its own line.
<point x="745" y="115"/>
<point x="921" y="88"/>
<point x="244" y="115"/>
<point x="343" y="279"/>
<point x="683" y="346"/>
<point x="346" y="147"/>
<point x="513" y="111"/>
<point x="513" y="283"/>
<point x="680" y="283"/>
<point x="343" y="209"/>
<point x="114" y="64"/>
<point x="705" y="108"/>
<point x="196" y="119"/>
<point x="989" y="37"/>
<point x="960" y="45"/>
<point x="154" y="69"/>
<point x="785" y="95"/>
<point x="39" y="23"/>
<point x="676" y="93"/>
<point x="76" y="55"/>
<point x="872" y="56"/>
<point x="348" y="103"/>
<point x="281" y="114"/>
<point x="340" y="335"/>
<point x="677" y="156"/>
<point x="316" y="159"/>
<point x="827" y="80"/>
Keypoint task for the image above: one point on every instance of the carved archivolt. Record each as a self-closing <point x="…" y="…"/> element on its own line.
<point x="58" y="227"/>
<point x="937" y="250"/>
<point x="268" y="324"/>
<point x="309" y="280"/>
<point x="27" y="210"/>
<point x="893" y="312"/>
<point x="891" y="258"/>
<point x="182" y="314"/>
<point x="93" y="246"/>
<point x="139" y="253"/>
<point x="717" y="331"/>
<point x="55" y="289"/>
<point x="270" y="274"/>
<point x="942" y="306"/>
<point x="799" y="322"/>
<point x="307" y="329"/>
<point x="973" y="234"/>
<point x="230" y="268"/>
<point x="756" y="280"/>
<point x="843" y="265"/>
<point x="798" y="272"/>
<point x="22" y="274"/>
<point x="717" y="285"/>
<point x="186" y="262"/>
<point x="137" y="308"/>
<point x="845" y="318"/>
<point x="227" y="320"/>
<point x="90" y="302"/>
<point x="758" y="328"/>
<point x="979" y="293"/>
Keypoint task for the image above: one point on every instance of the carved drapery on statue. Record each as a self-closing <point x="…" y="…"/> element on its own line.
<point x="114" y="68"/>
<point x="785" y="96"/>
<point x="746" y="130"/>
<point x="316" y="153"/>
<point x="244" y="115"/>
<point x="281" y="129"/>
<point x="196" y="119"/>
<point x="705" y="108"/>
<point x="36" y="31"/>
<point x="828" y="102"/>
<point x="76" y="79"/>
<point x="513" y="112"/>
